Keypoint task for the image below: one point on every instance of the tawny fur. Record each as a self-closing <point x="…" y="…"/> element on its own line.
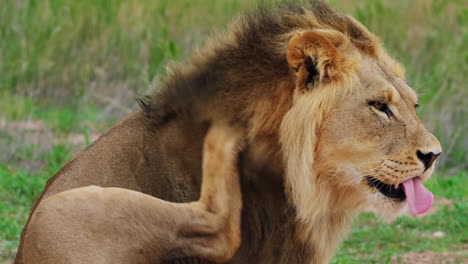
<point x="299" y="81"/>
<point x="114" y="225"/>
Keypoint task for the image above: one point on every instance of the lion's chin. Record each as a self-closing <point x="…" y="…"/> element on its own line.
<point x="387" y="208"/>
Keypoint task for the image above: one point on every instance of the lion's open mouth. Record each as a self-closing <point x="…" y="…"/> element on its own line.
<point x="387" y="189"/>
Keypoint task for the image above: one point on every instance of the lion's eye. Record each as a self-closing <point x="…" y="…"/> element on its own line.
<point x="381" y="106"/>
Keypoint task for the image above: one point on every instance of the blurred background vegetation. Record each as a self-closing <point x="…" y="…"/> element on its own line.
<point x="70" y="69"/>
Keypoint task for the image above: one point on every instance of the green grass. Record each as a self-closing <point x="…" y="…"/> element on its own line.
<point x="105" y="52"/>
<point x="375" y="241"/>
<point x="19" y="187"/>
<point x="61" y="48"/>
<point x="78" y="65"/>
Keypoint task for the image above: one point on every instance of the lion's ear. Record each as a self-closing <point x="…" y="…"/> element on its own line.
<point x="316" y="57"/>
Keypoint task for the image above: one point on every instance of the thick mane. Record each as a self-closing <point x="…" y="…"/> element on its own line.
<point x="246" y="63"/>
<point x="249" y="76"/>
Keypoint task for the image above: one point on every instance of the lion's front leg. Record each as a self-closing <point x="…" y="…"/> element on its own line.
<point x="214" y="231"/>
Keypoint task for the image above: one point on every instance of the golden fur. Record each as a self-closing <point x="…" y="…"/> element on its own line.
<point x="79" y="225"/>
<point x="301" y="82"/>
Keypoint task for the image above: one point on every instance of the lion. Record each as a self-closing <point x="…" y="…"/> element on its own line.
<point x="329" y="122"/>
<point x="79" y="225"/>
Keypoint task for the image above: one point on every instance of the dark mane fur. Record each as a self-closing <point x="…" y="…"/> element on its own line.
<point x="244" y="64"/>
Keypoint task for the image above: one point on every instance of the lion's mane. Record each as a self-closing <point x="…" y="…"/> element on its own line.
<point x="244" y="76"/>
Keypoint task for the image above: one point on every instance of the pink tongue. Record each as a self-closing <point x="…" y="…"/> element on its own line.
<point x="419" y="198"/>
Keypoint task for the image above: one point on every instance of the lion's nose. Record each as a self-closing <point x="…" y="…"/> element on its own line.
<point x="427" y="158"/>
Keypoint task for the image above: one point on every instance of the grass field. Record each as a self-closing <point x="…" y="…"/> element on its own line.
<point x="70" y="69"/>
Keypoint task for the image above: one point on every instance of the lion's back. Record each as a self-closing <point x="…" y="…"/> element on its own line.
<point x="163" y="161"/>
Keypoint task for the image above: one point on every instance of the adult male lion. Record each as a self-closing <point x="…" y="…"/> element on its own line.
<point x="330" y="123"/>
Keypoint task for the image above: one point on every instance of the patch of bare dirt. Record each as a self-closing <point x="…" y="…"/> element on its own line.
<point x="22" y="125"/>
<point x="16" y="134"/>
<point x="31" y="165"/>
<point x="36" y="132"/>
<point x="431" y="257"/>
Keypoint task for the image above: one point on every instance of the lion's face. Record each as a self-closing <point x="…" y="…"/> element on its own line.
<point x="352" y="139"/>
<point x="373" y="141"/>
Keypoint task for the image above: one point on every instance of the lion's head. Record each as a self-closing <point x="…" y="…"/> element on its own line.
<point x="352" y="138"/>
<point x="317" y="85"/>
<point x="324" y="106"/>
